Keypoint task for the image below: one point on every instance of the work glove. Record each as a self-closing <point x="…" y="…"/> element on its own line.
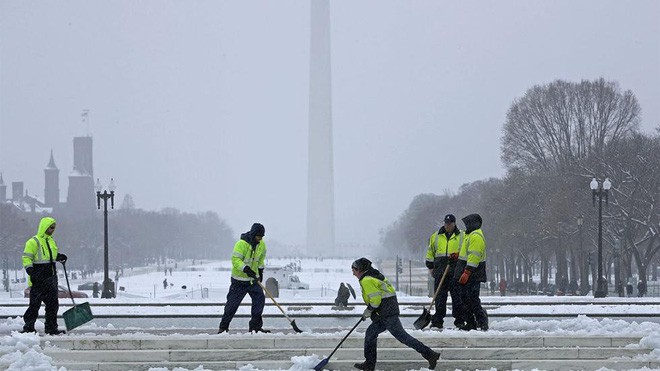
<point x="261" y="275"/>
<point x="61" y="258"/>
<point x="250" y="273"/>
<point x="366" y="314"/>
<point x="464" y="277"/>
<point x="29" y="270"/>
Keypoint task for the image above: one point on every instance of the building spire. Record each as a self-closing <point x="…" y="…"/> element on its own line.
<point x="51" y="163"/>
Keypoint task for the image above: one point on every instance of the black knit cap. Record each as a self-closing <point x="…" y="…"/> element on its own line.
<point x="361" y="264"/>
<point x="258" y="230"/>
<point x="450" y="218"/>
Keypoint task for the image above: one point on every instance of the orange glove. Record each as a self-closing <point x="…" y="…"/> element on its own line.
<point x="453" y="256"/>
<point x="464" y="277"/>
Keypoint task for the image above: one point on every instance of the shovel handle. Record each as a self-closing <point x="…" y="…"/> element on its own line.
<point x="273" y="299"/>
<point x="67" y="283"/>
<point x="437" y="290"/>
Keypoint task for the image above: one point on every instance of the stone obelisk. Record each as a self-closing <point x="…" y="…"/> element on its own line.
<point x="320" y="190"/>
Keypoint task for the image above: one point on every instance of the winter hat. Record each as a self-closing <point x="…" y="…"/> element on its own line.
<point x="450" y="218"/>
<point x="361" y="264"/>
<point x="258" y="230"/>
<point x="472" y="222"/>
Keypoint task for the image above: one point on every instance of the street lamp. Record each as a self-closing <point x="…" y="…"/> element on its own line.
<point x="108" y="290"/>
<point x="584" y="268"/>
<point x="599" y="190"/>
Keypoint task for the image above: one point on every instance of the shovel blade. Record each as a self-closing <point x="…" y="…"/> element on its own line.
<point x="423" y="320"/>
<point x="77" y="316"/>
<point x="295" y="327"/>
<point x="321" y="364"/>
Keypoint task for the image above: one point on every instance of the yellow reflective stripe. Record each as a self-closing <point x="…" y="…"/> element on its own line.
<point x="28" y="255"/>
<point x="472" y="265"/>
<point x="388" y="295"/>
<point x="41" y="262"/>
<point x="238" y="255"/>
<point x="373" y="294"/>
<point x="241" y="278"/>
<point x="39" y="256"/>
<point x="475" y="252"/>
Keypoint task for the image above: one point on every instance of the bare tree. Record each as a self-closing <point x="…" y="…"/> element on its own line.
<point x="553" y="126"/>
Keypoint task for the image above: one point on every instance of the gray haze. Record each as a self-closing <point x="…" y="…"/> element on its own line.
<point x="204" y="105"/>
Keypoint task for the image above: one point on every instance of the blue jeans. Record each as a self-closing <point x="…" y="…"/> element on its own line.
<point x="237" y="292"/>
<point x="393" y="325"/>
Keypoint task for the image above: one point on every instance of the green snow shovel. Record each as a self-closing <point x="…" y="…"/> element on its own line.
<point x="79" y="314"/>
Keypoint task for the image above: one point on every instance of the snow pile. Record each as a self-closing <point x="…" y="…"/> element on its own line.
<point x="20" y="352"/>
<point x="582" y="325"/>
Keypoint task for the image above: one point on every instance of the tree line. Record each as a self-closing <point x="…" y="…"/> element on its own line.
<point x="556" y="138"/>
<point x="135" y="237"/>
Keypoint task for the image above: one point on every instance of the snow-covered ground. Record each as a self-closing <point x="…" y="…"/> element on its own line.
<point x="23" y="352"/>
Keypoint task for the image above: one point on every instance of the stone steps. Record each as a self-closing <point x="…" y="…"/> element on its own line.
<point x="458" y="350"/>
<point x="382" y="365"/>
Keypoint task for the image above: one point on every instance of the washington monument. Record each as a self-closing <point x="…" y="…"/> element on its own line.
<point x="320" y="190"/>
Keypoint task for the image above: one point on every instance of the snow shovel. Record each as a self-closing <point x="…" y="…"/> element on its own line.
<point x="79" y="314"/>
<point x="324" y="362"/>
<point x="425" y="318"/>
<point x="293" y="321"/>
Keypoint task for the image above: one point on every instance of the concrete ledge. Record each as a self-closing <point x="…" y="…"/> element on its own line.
<point x="279" y="341"/>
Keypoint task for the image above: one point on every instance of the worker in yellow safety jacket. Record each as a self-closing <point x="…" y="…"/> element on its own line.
<point x="383" y="309"/>
<point x="442" y="252"/>
<point x="39" y="257"/>
<point x="471" y="272"/>
<point x="247" y="267"/>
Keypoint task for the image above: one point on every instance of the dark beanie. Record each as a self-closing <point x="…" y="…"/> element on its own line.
<point x="361" y="264"/>
<point x="258" y="230"/>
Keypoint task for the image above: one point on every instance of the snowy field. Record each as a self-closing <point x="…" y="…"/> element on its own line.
<point x="145" y="285"/>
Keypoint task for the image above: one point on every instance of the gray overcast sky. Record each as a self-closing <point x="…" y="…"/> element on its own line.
<point x="203" y="105"/>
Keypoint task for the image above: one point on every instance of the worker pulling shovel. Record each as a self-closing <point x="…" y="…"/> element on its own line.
<point x="293" y="321"/>
<point x="425" y="318"/>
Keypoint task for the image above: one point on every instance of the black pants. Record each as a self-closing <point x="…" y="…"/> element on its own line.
<point x="474" y="314"/>
<point x="393" y="325"/>
<point x="449" y="286"/>
<point x="237" y="292"/>
<point x="43" y="291"/>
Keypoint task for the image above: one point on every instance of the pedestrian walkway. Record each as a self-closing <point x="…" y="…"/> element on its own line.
<point x="459" y="350"/>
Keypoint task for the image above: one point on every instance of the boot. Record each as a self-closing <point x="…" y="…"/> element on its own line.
<point x="221" y="330"/>
<point x="436" y="325"/>
<point x="27" y="331"/>
<point x="261" y="329"/>
<point x="363" y="366"/>
<point x="433" y="360"/>
<point x="468" y="327"/>
<point x="56" y="332"/>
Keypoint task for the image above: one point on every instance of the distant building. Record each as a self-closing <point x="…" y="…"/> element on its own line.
<point x="52" y="181"/>
<point x="80" y="202"/>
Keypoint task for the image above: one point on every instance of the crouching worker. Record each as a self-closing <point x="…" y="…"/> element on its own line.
<point x="383" y="309"/>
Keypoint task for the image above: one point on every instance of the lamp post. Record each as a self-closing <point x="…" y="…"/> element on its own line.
<point x="108" y="290"/>
<point x="598" y="189"/>
<point x="584" y="267"/>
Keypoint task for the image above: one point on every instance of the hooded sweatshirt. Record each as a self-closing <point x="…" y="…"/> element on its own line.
<point x="40" y="253"/>
<point x="378" y="294"/>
